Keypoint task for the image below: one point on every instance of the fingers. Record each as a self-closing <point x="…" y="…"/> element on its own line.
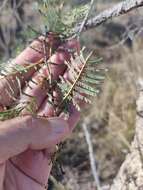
<point x="47" y="109"/>
<point x="36" y="164"/>
<point x="9" y="85"/>
<point x="74" y="117"/>
<point x="57" y="68"/>
<point x="72" y="120"/>
<point x="14" y="135"/>
<point x="34" y="93"/>
<point x="64" y="53"/>
<point x="38" y="86"/>
<point x="50" y="132"/>
<point x="35" y="51"/>
<point x="22" y="133"/>
<point x="31" y="55"/>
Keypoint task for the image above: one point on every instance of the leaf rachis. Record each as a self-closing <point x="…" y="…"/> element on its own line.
<point x="77" y="79"/>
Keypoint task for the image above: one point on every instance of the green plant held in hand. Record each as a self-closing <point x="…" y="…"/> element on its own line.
<point x="84" y="75"/>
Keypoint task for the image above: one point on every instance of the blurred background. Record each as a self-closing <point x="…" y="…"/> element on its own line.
<point x="111" y="118"/>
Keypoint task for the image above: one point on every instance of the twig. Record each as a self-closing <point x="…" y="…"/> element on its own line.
<point x="19" y="4"/>
<point x="117" y="10"/>
<point x="91" y="156"/>
<point x="86" y="18"/>
<point x="135" y="32"/>
<point x="3" y="5"/>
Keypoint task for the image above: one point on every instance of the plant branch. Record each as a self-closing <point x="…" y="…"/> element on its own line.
<point x="91" y="155"/>
<point x="3" y="5"/>
<point x="117" y="10"/>
<point x="86" y="18"/>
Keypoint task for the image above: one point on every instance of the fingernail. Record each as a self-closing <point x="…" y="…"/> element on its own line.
<point x="59" y="126"/>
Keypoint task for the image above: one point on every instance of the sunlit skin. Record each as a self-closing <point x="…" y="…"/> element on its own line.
<point x="27" y="141"/>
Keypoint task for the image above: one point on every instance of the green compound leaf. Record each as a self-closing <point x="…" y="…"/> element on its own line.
<point x="84" y="83"/>
<point x="59" y="18"/>
<point x="10" y="113"/>
<point x="90" y="80"/>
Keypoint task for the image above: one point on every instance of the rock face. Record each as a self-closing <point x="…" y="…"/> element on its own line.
<point x="130" y="176"/>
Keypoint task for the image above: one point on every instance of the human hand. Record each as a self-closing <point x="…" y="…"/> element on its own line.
<point x="29" y="141"/>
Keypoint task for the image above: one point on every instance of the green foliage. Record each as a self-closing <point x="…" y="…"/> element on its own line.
<point x="74" y="16"/>
<point x="58" y="18"/>
<point x="13" y="69"/>
<point x="10" y="113"/>
<point x="85" y="77"/>
<point x="83" y="82"/>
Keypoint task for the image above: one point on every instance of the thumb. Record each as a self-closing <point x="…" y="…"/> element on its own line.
<point x="48" y="132"/>
<point x="22" y="133"/>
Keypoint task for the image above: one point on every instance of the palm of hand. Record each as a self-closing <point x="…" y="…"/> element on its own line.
<point x="36" y="167"/>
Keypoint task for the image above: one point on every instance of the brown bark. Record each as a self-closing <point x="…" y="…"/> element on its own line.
<point x="119" y="9"/>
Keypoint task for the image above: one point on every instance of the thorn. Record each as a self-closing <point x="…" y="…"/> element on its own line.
<point x="28" y="85"/>
<point x="27" y="95"/>
<point x="33" y="81"/>
<point x="36" y="50"/>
